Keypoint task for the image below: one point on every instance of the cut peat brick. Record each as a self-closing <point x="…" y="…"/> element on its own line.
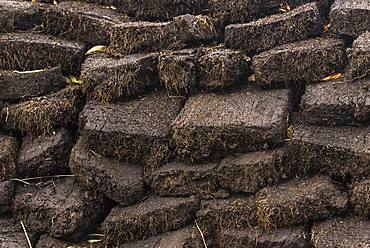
<point x="216" y="216"/>
<point x="16" y="85"/>
<point x="183" y="32"/>
<point x="360" y="198"/>
<point x="252" y="171"/>
<point x="151" y="217"/>
<point x="299" y="201"/>
<point x="120" y="182"/>
<point x="6" y="196"/>
<point x="291" y="237"/>
<point x="42" y="115"/>
<point x="266" y="33"/>
<point x="12" y="234"/>
<point x="86" y="22"/>
<point x="41" y="50"/>
<point x="318" y="58"/>
<point x="211" y="126"/>
<point x="337" y="151"/>
<point x="45" y="155"/>
<point x="341" y="233"/>
<point x="183" y="238"/>
<point x="108" y="79"/>
<point x="135" y="130"/>
<point x="8" y="157"/>
<point x="180" y="179"/>
<point x="359" y="57"/>
<point x="350" y="18"/>
<point x="337" y="103"/>
<point x="59" y="207"/>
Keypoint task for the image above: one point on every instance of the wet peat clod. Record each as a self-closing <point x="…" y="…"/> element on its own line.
<point x="59" y="207"/>
<point x="360" y="198"/>
<point x="86" y="22"/>
<point x="261" y="35"/>
<point x="45" y="155"/>
<point x="337" y="103"/>
<point x="15" y="85"/>
<point x="299" y="201"/>
<point x="211" y="126"/>
<point x="41" y="51"/>
<point x="337" y="151"/>
<point x="7" y="189"/>
<point x="8" y="157"/>
<point x="151" y="217"/>
<point x="341" y="233"/>
<point x="42" y="115"/>
<point x="359" y="57"/>
<point x="310" y="60"/>
<point x="121" y="182"/>
<point x="12" y="234"/>
<point x="250" y="172"/>
<point x="350" y="18"/>
<point x="109" y="79"/>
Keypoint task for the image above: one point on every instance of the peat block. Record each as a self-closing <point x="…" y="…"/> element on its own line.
<point x="184" y="31"/>
<point x="266" y="33"/>
<point x="46" y="241"/>
<point x="108" y="79"/>
<point x="211" y="126"/>
<point x="59" y="207"/>
<point x="215" y="216"/>
<point x="19" y="15"/>
<point x="45" y="155"/>
<point x="250" y="172"/>
<point x="187" y="237"/>
<point x="16" y="85"/>
<point x="350" y="18"/>
<point x="161" y="9"/>
<point x="359" y="57"/>
<point x="310" y="60"/>
<point x="299" y="201"/>
<point x="121" y="182"/>
<point x="41" y="50"/>
<point x="42" y="115"/>
<point x="86" y="22"/>
<point x="8" y="157"/>
<point x="341" y="233"/>
<point x="12" y="235"/>
<point x="336" y="151"/>
<point x="135" y="130"/>
<point x="6" y="196"/>
<point x="180" y="179"/>
<point x="290" y="237"/>
<point x="360" y="198"/>
<point x="337" y="103"/>
<point x="153" y="216"/>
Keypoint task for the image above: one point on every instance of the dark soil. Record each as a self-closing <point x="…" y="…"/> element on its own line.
<point x="86" y="22"/>
<point x="6" y="196"/>
<point x="59" y="207"/>
<point x="215" y="216"/>
<point x="20" y="86"/>
<point x="360" y="198"/>
<point x="180" y="179"/>
<point x="293" y="237"/>
<point x="263" y="34"/>
<point x="149" y="218"/>
<point x="8" y="157"/>
<point x="336" y="151"/>
<point x="212" y="126"/>
<point x="311" y="60"/>
<point x="109" y="79"/>
<point x="299" y="201"/>
<point x="136" y="130"/>
<point x="41" y="50"/>
<point x="359" y="57"/>
<point x="337" y="103"/>
<point x="45" y="155"/>
<point x="12" y="235"/>
<point x="50" y="242"/>
<point x="341" y="233"/>
<point x="121" y="182"/>
<point x="42" y="115"/>
<point x="351" y="18"/>
<point x="252" y="171"/>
